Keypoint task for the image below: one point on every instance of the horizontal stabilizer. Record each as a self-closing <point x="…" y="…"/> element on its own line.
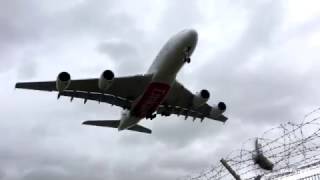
<point x="115" y="124"/>
<point x="140" y="129"/>
<point x="110" y="123"/>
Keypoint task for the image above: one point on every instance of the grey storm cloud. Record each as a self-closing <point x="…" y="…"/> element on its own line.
<point x="240" y="83"/>
<point x="42" y="138"/>
<point x="272" y="92"/>
<point x="26" y="24"/>
<point x="123" y="53"/>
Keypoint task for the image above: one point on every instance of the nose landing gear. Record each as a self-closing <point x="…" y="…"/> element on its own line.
<point x="187" y="53"/>
<point x="151" y="116"/>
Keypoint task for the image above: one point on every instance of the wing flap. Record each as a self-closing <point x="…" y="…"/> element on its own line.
<point x="201" y="113"/>
<point x="117" y="101"/>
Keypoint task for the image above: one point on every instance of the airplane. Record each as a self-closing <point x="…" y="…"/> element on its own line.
<point x="142" y="96"/>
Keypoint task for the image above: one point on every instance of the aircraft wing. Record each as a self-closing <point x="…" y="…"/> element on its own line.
<point x="179" y="102"/>
<point x="200" y="113"/>
<point x="122" y="91"/>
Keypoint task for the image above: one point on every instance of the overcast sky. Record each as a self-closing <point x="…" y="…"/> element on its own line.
<point x="260" y="57"/>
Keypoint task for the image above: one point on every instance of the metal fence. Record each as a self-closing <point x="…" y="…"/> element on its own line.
<point x="312" y="177"/>
<point x="290" y="146"/>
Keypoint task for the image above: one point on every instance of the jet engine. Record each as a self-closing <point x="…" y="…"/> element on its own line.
<point x="218" y="109"/>
<point x="201" y="98"/>
<point x="63" y="81"/>
<point x="106" y="80"/>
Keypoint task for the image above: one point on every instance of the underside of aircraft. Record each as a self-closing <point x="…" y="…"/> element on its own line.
<point x="142" y="96"/>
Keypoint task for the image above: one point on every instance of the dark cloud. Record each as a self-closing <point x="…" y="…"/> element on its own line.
<point x="20" y="22"/>
<point x="179" y="16"/>
<point x="260" y="89"/>
<point x="179" y="133"/>
<point x="25" y="25"/>
<point x="27" y="69"/>
<point x="123" y="53"/>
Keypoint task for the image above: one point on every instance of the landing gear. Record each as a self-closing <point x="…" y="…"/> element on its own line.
<point x="187" y="53"/>
<point x="187" y="59"/>
<point x="151" y="116"/>
<point x="165" y="114"/>
<point x="166" y="111"/>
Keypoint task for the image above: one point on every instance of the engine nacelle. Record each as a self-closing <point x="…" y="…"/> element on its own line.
<point x="106" y="80"/>
<point x="201" y="98"/>
<point x="63" y="81"/>
<point x="218" y="109"/>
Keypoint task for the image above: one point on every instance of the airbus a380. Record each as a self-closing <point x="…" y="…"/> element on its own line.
<point x="142" y="96"/>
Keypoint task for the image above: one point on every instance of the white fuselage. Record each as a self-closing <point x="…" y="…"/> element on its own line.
<point x="164" y="69"/>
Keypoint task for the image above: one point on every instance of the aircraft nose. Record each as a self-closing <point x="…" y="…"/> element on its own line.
<point x="191" y="35"/>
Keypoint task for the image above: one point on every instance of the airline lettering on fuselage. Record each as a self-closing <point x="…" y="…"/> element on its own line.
<point x="154" y="94"/>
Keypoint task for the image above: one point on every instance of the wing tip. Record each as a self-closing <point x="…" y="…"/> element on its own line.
<point x="16" y="85"/>
<point x="85" y="122"/>
<point x="220" y="118"/>
<point x="89" y="123"/>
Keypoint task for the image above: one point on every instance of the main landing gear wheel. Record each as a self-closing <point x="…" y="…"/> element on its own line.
<point x="187" y="59"/>
<point x="151" y="116"/>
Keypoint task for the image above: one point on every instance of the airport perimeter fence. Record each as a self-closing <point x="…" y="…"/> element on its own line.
<point x="291" y="147"/>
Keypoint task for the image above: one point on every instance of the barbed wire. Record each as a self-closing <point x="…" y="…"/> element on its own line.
<point x="290" y="147"/>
